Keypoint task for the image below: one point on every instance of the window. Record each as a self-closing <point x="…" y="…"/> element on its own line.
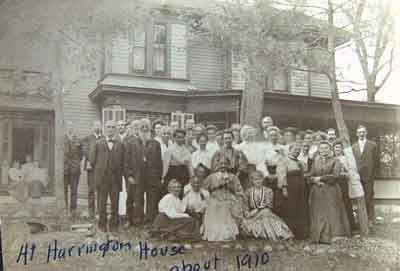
<point x="389" y="156"/>
<point x="277" y="81"/>
<point x="181" y="118"/>
<point x="160" y="49"/>
<point x="114" y="113"/>
<point x="150" y="50"/>
<point x="139" y="51"/>
<point x="280" y="81"/>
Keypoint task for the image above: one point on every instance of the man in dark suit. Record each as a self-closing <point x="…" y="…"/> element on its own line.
<point x="107" y="160"/>
<point x="365" y="153"/>
<point x="89" y="142"/>
<point x="143" y="170"/>
<point x="72" y="167"/>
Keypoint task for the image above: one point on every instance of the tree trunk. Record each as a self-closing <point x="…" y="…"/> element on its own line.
<point x="336" y="104"/>
<point x="59" y="134"/>
<point x="253" y="95"/>
<point x="338" y="113"/>
<point x="371" y="91"/>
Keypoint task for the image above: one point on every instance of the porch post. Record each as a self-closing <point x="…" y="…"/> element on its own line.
<point x="59" y="152"/>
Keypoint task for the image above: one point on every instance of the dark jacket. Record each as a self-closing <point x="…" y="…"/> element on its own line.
<point x="98" y="158"/>
<point x="367" y="162"/>
<point x="72" y="155"/>
<point x="134" y="158"/>
<point x="87" y="145"/>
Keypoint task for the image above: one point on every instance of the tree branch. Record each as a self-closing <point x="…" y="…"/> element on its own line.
<point x="388" y="73"/>
<point x="352" y="90"/>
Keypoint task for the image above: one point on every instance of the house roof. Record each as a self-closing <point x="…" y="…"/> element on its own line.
<point x="312" y="26"/>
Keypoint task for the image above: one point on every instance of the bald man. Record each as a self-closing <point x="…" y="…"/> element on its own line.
<point x="106" y="159"/>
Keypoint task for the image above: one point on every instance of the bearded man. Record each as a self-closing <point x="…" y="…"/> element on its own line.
<point x="143" y="169"/>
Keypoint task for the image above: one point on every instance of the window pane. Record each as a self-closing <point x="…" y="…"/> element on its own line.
<point x="140" y="38"/>
<point x="139" y="57"/>
<point x="45" y="154"/>
<point x="281" y="81"/>
<point x="118" y="115"/>
<point x="6" y="127"/>
<point x="139" y="51"/>
<point x="5" y="151"/>
<point x="389" y="155"/>
<point x="45" y="134"/>
<point x="159" y="60"/>
<point x="160" y="34"/>
<point x="160" y="46"/>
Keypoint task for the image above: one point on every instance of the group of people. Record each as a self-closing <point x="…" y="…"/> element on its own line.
<point x="201" y="183"/>
<point x="28" y="177"/>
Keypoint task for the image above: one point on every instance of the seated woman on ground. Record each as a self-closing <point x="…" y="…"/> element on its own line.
<point x="224" y="210"/>
<point x="260" y="221"/>
<point x="201" y="172"/>
<point x="195" y="198"/>
<point x="15" y="173"/>
<point x="172" y="223"/>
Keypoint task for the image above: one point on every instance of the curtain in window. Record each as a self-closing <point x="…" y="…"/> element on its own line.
<point x="139" y="50"/>
<point x="160" y="46"/>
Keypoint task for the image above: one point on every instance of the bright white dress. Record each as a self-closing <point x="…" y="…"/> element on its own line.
<point x="122" y="199"/>
<point x="255" y="153"/>
<point x="348" y="161"/>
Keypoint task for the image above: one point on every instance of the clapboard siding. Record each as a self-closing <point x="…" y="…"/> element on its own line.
<point x="320" y="85"/>
<point x="120" y="49"/>
<point x="238" y="71"/>
<point x="299" y="82"/>
<point x="178" y="51"/>
<point x="79" y="109"/>
<point x="207" y="66"/>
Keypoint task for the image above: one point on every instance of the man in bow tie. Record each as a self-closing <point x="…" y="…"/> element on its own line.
<point x="107" y="160"/>
<point x="143" y="169"/>
<point x="89" y="142"/>
<point x="366" y="155"/>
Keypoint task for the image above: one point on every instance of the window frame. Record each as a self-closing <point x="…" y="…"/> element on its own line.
<point x="132" y="62"/>
<point x="149" y="69"/>
<point x="270" y="85"/>
<point x="114" y="109"/>
<point x="167" y="46"/>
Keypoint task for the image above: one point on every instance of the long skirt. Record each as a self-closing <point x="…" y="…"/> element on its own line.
<point x="221" y="219"/>
<point x="266" y="225"/>
<point x="175" y="229"/>
<point x="328" y="214"/>
<point x="122" y="198"/>
<point x="295" y="206"/>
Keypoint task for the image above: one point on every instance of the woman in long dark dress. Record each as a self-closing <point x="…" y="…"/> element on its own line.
<point x="327" y="210"/>
<point x="290" y="173"/>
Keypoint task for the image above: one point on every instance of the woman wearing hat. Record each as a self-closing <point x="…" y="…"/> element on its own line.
<point x="224" y="211"/>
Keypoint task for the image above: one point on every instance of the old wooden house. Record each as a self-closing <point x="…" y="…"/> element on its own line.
<point x="155" y="70"/>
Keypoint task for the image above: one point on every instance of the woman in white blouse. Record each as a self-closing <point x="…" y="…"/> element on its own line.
<point x="172" y="223"/>
<point x="195" y="198"/>
<point x="15" y="173"/>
